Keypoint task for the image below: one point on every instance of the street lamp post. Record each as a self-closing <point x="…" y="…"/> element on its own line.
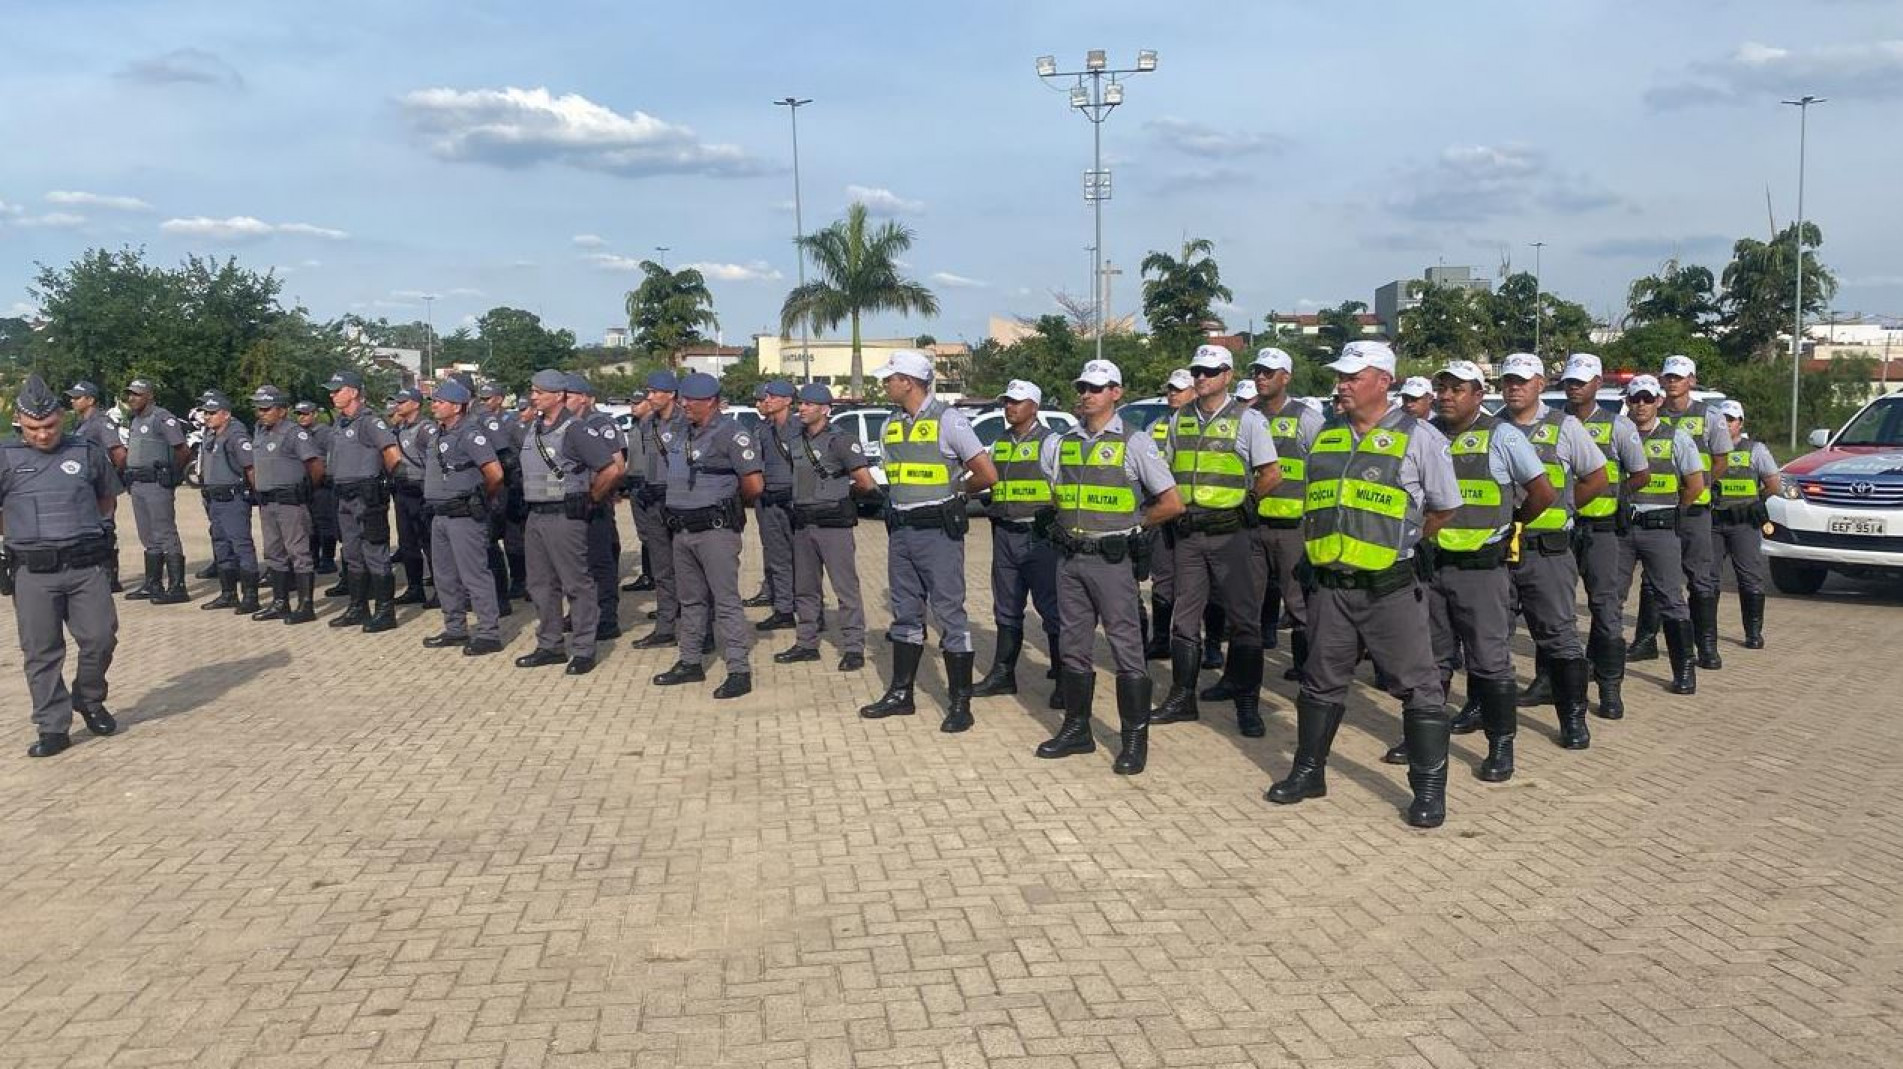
<point x="793" y="106"/>
<point x="429" y="334"/>
<point x="663" y="251"/>
<point x="1802" y="104"/>
<point x="1096" y="99"/>
<point x="1537" y="246"/>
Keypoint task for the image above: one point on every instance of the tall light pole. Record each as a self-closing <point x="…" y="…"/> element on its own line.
<point x="1096" y="99"/>
<point x="1537" y="246"/>
<point x="793" y="106"/>
<point x="1802" y="104"/>
<point x="429" y="334"/>
<point x="663" y="250"/>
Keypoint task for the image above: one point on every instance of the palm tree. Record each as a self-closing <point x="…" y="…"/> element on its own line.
<point x="857" y="276"/>
<point x="1179" y="298"/>
<point x="667" y="311"/>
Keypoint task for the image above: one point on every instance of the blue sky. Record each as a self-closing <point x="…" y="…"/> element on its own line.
<point x="504" y="153"/>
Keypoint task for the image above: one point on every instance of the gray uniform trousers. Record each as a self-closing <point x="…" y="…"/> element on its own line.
<point x="157" y="522"/>
<point x="926" y="568"/>
<point x="557" y="548"/>
<point x="45" y="607"/>
<point x="1163" y="567"/>
<point x="1695" y="551"/>
<point x="287" y="537"/>
<point x="707" y="577"/>
<point x="650" y="523"/>
<point x="1468" y="608"/>
<point x="1743" y="542"/>
<point x="1394" y="628"/>
<point x="1023" y="564"/>
<point x="1598" y="555"/>
<point x="1229" y="564"/>
<point x="231" y="545"/>
<point x="324" y="511"/>
<point x="604" y="563"/>
<point x="1281" y="553"/>
<point x="459" y="556"/>
<point x="356" y="526"/>
<point x="831" y="549"/>
<point x="1664" y="568"/>
<point x="776" y="549"/>
<point x="1091" y="589"/>
<point x="1545" y="586"/>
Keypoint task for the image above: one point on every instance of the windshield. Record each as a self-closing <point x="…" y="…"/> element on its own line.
<point x="1139" y="416"/>
<point x="1879" y="425"/>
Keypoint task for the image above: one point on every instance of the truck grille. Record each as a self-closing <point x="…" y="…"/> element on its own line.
<point x="1853" y="493"/>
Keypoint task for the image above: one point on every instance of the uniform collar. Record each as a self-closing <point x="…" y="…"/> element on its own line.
<point x="1113" y="428"/>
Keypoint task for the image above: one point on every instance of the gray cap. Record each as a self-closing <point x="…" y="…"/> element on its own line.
<point x="35" y="400"/>
<point x="214" y="402"/>
<point x="759" y="391"/>
<point x="407" y="393"/>
<point x="304" y="408"/>
<point x="664" y="381"/>
<point x="549" y="379"/>
<point x="453" y="392"/>
<point x="816" y="393"/>
<point x="577" y="384"/>
<point x="341" y="379"/>
<point x="490" y="389"/>
<point x="268" y="396"/>
<point x="779" y="388"/>
<point x="700" y="386"/>
<point x="82" y="388"/>
<point x="139" y="386"/>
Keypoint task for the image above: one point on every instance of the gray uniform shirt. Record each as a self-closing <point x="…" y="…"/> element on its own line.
<point x="456" y="457"/>
<point x="356" y="447"/>
<point x="223" y="457"/>
<point x="777" y="445"/>
<point x="150" y="438"/>
<point x="1685" y="457"/>
<point x="657" y="437"/>
<point x="1143" y="463"/>
<point x="280" y="454"/>
<point x="99" y="430"/>
<point x="704" y="464"/>
<point x="957" y="442"/>
<point x="576" y="454"/>
<point x="823" y="463"/>
<point x="52" y="498"/>
<point x="412" y="443"/>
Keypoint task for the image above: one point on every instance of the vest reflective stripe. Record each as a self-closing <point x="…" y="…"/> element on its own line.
<point x="1208" y="470"/>
<point x="1739" y="487"/>
<point x="1545" y="440"/>
<point x="1021" y="488"/>
<point x="1692" y="422"/>
<point x="1160" y="430"/>
<point x="916" y="472"/>
<point x="47" y="505"/>
<point x="1095" y="495"/>
<point x="1599" y="428"/>
<point x="1484" y="510"/>
<point x="1285" y="501"/>
<point x="1662" y="487"/>
<point x="1355" y="514"/>
<point x="540" y="481"/>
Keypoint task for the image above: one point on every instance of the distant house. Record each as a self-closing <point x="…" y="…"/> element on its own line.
<point x="832" y="358"/>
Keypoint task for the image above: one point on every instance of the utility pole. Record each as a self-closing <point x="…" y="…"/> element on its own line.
<point x="1802" y="104"/>
<point x="1537" y="314"/>
<point x="793" y="106"/>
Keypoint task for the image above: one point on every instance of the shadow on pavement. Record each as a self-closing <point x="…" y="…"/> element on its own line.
<point x="201" y="686"/>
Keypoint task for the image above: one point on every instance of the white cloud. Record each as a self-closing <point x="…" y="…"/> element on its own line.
<point x="754" y="271"/>
<point x="608" y="261"/>
<point x="521" y="264"/>
<point x="883" y="201"/>
<point x="411" y="295"/>
<point x="109" y="202"/>
<point x="1472" y="183"/>
<point x="1759" y="74"/>
<point x="51" y="220"/>
<point x="23" y="310"/>
<point x="1221" y="176"/>
<point x="462" y="291"/>
<point x="516" y="128"/>
<point x="1197" y="139"/>
<point x="244" y="228"/>
<point x="957" y="282"/>
<point x="589" y="241"/>
<point x="183" y="66"/>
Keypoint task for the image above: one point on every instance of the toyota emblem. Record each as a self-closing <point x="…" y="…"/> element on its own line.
<point x="1863" y="489"/>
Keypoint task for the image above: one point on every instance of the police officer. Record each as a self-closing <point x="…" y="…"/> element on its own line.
<point x="1675" y="481"/>
<point x="510" y="426"/>
<point x="286" y="464"/>
<point x="1224" y="462"/>
<point x="659" y="428"/>
<point x="1022" y="563"/>
<point x="225" y="460"/>
<point x="568" y="471"/>
<point x="713" y="471"/>
<point x="1110" y="488"/>
<point x="604" y="537"/>
<point x="774" y="510"/>
<point x="926" y="442"/>
<point x="1179" y="390"/>
<point x="406" y="480"/>
<point x="1293" y="425"/>
<point x="1751" y="476"/>
<point x="1679" y="376"/>
<point x="1546" y="577"/>
<point x="634" y="450"/>
<point x="323" y="496"/>
<point x="362" y="451"/>
<point x="462" y="483"/>
<point x="1379" y="481"/>
<point x="1417" y="397"/>
<point x="55" y="489"/>
<point x="93" y="425"/>
<point x="1501" y="481"/>
<point x="1600" y="524"/>
<point x="828" y="469"/>
<point x="156" y="459"/>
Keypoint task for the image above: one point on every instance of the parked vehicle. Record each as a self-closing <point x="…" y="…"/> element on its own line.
<point x="1840" y="509"/>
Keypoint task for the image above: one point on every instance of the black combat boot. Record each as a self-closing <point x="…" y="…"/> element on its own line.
<point x="1678" y="643"/>
<point x="1705" y="632"/>
<point x="358" y="610"/>
<point x="247" y="593"/>
<point x="112" y="569"/>
<point x="1645" y="632"/>
<point x="1608" y="668"/>
<point x="1073" y="737"/>
<point x="1315" y="725"/>
<point x="1751" y="607"/>
<point x="682" y="672"/>
<point x="99" y="720"/>
<point x="1499" y="711"/>
<point x="413" y="593"/>
<point x="174" y="592"/>
<point x="1569" y="698"/>
<point x="1133" y="722"/>
<point x="1003" y="677"/>
<point x="305" y="611"/>
<point x="341" y="588"/>
<point x="1225" y="687"/>
<point x="1297" y="654"/>
<point x="1271" y="613"/>
<point x="958" y="692"/>
<point x="383" y="590"/>
<point x="51" y="744"/>
<point x="154" y="578"/>
<point x="1466" y="721"/>
<point x="518" y="575"/>
<point x="761" y="599"/>
<point x="209" y="571"/>
<point x="736" y="685"/>
<point x="1180" y="703"/>
<point x="1161" y="614"/>
<point x="280" y="606"/>
<point x="227" y="590"/>
<point x="1540" y="690"/>
<point x="1248" y="666"/>
<point x="324" y="554"/>
<point x="897" y="700"/>
<point x="1056" y="672"/>
<point x="1426" y="733"/>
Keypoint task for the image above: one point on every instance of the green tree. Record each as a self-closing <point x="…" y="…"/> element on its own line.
<point x="514" y="345"/>
<point x="737" y="383"/>
<point x="1679" y="292"/>
<point x="1179" y="294"/>
<point x="1758" y="284"/>
<point x="1643" y="349"/>
<point x="15" y="334"/>
<point x="1339" y="325"/>
<point x="1449" y="323"/>
<point x="857" y="276"/>
<point x="668" y="309"/>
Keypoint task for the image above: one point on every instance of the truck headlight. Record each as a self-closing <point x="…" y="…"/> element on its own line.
<point x="1789" y="490"/>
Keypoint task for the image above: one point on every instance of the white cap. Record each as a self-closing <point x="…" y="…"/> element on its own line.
<point x="1100" y="373"/>
<point x="1464" y="370"/>
<point x="1582" y="367"/>
<point x="1359" y="355"/>
<point x="1682" y="366"/>
<point x="1416" y="387"/>
<point x="1731" y="410"/>
<point x="1273" y="359"/>
<point x="906" y="362"/>
<point x="1643" y="384"/>
<point x="1245" y="390"/>
<point x="1212" y="356"/>
<point x="1181" y="379"/>
<point x="1019" y="390"/>
<point x="1522" y="366"/>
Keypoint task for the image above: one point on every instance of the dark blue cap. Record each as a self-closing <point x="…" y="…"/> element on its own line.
<point x="453" y="392"/>
<point x="407" y="393"/>
<point x="490" y="389"/>
<point x="700" y="386"/>
<point x="664" y="381"/>
<point x="341" y="379"/>
<point x="304" y="408"/>
<point x="815" y="393"/>
<point x="36" y="401"/>
<point x="213" y="402"/>
<point x="82" y="388"/>
<point x="551" y="380"/>
<point x="779" y="388"/>
<point x="139" y="386"/>
<point x="270" y="397"/>
<point x="580" y="385"/>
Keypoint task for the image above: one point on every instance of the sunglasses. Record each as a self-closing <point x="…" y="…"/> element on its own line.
<point x="1642" y="399"/>
<point x="1206" y="372"/>
<point x="1088" y="387"/>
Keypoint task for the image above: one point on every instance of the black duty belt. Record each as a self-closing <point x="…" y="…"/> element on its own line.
<point x="1214" y="522"/>
<point x="777" y="498"/>
<point x="1609" y="523"/>
<point x="1546" y="543"/>
<point x="1697" y="510"/>
<point x="1114" y="549"/>
<point x="1280" y="523"/>
<point x="1489" y="556"/>
<point x="543" y="508"/>
<point x="49" y="559"/>
<point x="1655" y="519"/>
<point x="143" y="475"/>
<point x="1020" y="526"/>
<point x="711" y="518"/>
<point x="285" y="495"/>
<point x="840" y="513"/>
<point x="1380" y="584"/>
<point x="226" y="492"/>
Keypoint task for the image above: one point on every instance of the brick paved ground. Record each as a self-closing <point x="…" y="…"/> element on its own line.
<point x="313" y="848"/>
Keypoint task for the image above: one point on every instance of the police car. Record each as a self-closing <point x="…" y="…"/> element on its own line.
<point x="1840" y="509"/>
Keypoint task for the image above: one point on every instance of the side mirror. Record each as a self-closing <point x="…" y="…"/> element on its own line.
<point x="1819" y="438"/>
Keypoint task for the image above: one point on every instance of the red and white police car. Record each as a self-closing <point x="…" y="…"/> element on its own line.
<point x="1841" y="508"/>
